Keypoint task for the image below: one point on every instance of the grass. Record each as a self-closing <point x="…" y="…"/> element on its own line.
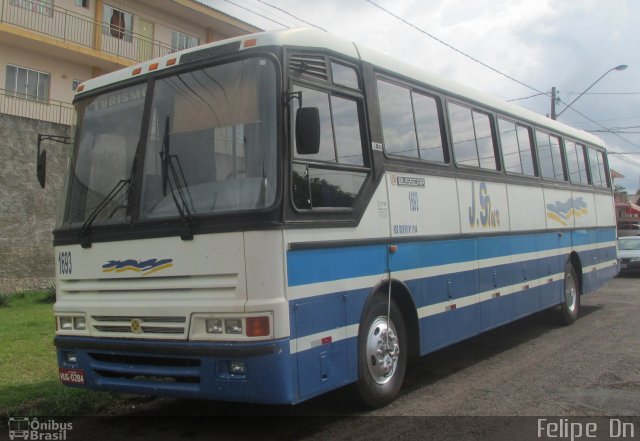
<point x="29" y="384"/>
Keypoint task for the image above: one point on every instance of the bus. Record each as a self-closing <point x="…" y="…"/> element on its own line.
<point x="270" y="217"/>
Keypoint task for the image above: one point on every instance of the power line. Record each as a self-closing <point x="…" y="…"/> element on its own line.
<point x="606" y="129"/>
<point x="271" y="14"/>
<point x="604" y="93"/>
<point x="288" y="13"/>
<point x="454" y="48"/>
<point x="257" y="13"/>
<point x="527" y="97"/>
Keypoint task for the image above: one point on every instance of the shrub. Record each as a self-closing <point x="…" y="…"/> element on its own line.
<point x="51" y="294"/>
<point x="5" y="299"/>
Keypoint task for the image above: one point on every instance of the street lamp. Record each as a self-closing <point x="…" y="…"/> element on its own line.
<point x="621" y="67"/>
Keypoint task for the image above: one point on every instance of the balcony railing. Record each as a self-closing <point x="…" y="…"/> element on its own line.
<point x="68" y="26"/>
<point x="43" y="109"/>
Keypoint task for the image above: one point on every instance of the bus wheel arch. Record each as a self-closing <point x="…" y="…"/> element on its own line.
<point x="385" y="345"/>
<point x="572" y="289"/>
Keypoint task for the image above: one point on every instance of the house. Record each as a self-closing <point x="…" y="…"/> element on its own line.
<point x="48" y="47"/>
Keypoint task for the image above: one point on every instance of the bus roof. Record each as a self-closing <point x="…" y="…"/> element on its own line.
<point x="313" y="38"/>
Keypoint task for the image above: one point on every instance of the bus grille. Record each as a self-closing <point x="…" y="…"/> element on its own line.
<point x="148" y="325"/>
<point x="149" y="371"/>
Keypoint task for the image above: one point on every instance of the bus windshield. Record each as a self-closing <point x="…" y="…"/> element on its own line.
<point x="210" y="146"/>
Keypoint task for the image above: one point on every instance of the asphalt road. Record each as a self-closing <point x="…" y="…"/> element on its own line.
<point x="534" y="367"/>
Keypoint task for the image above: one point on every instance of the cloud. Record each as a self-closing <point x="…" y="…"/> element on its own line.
<point x="544" y="43"/>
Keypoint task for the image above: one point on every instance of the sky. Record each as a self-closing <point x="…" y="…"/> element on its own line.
<point x="567" y="44"/>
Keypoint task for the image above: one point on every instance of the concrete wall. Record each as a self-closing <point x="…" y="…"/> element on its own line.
<point x="28" y="212"/>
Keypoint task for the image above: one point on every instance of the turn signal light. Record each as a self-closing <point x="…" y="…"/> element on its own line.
<point x="258" y="326"/>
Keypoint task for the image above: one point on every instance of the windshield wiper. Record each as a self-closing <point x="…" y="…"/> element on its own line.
<point x="169" y="171"/>
<point x="85" y="239"/>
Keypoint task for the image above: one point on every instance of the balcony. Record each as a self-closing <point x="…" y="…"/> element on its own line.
<point x="68" y="27"/>
<point x="19" y="104"/>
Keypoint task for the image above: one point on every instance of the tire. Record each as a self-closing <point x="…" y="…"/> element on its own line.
<point x="570" y="306"/>
<point x="381" y="372"/>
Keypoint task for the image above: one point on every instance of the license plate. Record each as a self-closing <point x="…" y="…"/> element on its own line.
<point x="72" y="376"/>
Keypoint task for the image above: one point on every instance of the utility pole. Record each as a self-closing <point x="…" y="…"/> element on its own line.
<point x="553" y="103"/>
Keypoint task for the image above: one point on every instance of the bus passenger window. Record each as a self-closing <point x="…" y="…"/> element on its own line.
<point x="430" y="137"/>
<point x="598" y="172"/>
<point x="397" y="120"/>
<point x="472" y="138"/>
<point x="516" y="147"/>
<point x="576" y="163"/>
<point x="550" y="156"/>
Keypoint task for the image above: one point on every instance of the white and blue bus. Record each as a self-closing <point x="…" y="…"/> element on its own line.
<point x="270" y="217"/>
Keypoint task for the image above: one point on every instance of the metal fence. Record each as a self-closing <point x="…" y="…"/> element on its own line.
<point x="27" y="106"/>
<point x="71" y="27"/>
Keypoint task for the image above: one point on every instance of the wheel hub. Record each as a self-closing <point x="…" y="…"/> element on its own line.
<point x="383" y="350"/>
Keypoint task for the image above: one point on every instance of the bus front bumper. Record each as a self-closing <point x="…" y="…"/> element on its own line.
<point x="256" y="372"/>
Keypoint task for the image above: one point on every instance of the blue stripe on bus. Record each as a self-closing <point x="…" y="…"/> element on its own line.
<point x="449" y="287"/>
<point x="323" y="265"/>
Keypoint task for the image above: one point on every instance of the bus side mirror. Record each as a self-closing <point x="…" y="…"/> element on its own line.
<point x="307" y="131"/>
<point x="41" y="167"/>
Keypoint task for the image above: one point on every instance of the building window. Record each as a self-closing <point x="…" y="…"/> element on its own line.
<point x="26" y="83"/>
<point x="120" y="24"/>
<point x="83" y="3"/>
<point x="44" y="7"/>
<point x="181" y="41"/>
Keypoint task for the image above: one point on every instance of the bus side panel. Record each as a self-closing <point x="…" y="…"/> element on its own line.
<point x="498" y="307"/>
<point x="327" y="291"/>
<point x="324" y="364"/>
<point x="552" y="267"/>
<point x="449" y="275"/>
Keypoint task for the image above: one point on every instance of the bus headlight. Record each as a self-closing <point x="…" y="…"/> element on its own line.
<point x="232" y="327"/>
<point x="214" y="326"/>
<point x="79" y="323"/>
<point x="68" y="323"/>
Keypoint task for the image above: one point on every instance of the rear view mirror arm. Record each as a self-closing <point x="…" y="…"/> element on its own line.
<point x="41" y="158"/>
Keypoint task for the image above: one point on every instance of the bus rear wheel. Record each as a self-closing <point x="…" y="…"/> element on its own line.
<point x="570" y="306"/>
<point x="382" y="353"/>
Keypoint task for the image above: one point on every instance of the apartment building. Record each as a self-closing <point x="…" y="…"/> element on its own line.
<point x="48" y="47"/>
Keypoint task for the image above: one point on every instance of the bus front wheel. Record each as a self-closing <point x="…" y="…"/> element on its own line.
<point x="382" y="353"/>
<point x="571" y="300"/>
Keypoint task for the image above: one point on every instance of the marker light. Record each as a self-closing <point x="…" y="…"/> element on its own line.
<point x="250" y="42"/>
<point x="258" y="326"/>
<point x="136" y="71"/>
<point x="80" y="88"/>
<point x="171" y="61"/>
<point x="153" y="66"/>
